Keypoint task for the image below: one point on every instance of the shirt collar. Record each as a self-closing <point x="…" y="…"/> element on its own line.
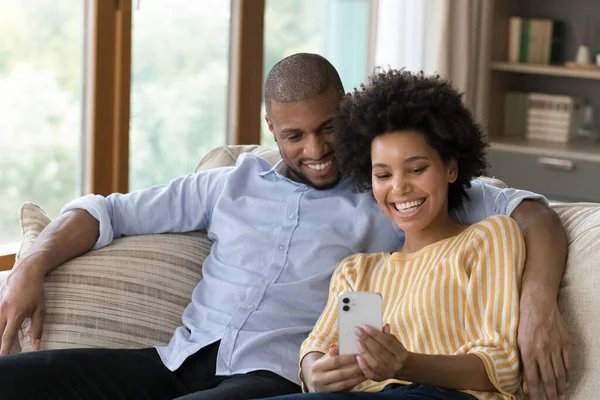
<point x="274" y="170"/>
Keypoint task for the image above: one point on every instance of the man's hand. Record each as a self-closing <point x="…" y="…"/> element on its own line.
<point x="22" y="296"/>
<point x="334" y="373"/>
<point x="382" y="356"/>
<point x="545" y="347"/>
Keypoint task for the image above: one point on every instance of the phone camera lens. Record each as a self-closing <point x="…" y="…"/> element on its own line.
<point x="346" y="300"/>
<point x="346" y="308"/>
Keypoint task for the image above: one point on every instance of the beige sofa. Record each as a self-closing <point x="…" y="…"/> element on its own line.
<point x="133" y="292"/>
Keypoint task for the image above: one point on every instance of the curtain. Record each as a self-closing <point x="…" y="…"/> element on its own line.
<point x="448" y="37"/>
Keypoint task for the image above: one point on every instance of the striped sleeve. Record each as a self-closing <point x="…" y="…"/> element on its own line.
<point x="325" y="332"/>
<point x="492" y="307"/>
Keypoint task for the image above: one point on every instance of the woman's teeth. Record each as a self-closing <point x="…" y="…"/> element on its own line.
<point x="409" y="205"/>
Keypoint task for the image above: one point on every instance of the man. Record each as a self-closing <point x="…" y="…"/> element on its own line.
<point x="265" y="281"/>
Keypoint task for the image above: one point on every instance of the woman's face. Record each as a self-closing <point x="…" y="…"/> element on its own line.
<point x="409" y="179"/>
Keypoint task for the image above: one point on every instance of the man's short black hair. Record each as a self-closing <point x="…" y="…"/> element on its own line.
<point x="395" y="100"/>
<point x="300" y="77"/>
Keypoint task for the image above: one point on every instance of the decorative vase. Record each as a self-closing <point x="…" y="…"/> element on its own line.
<point x="583" y="54"/>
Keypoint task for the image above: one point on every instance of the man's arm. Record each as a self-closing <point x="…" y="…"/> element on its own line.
<point x="543" y="339"/>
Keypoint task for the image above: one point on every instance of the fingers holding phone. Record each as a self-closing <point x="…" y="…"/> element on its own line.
<point x="334" y="372"/>
<point x="382" y="356"/>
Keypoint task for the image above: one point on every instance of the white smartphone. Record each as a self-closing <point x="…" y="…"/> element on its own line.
<point x="357" y="309"/>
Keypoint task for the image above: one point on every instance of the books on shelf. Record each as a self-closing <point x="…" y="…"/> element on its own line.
<point x="535" y="40"/>
<point x="545" y="117"/>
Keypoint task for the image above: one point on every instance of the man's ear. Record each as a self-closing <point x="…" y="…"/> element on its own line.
<point x="271" y="127"/>
<point x="269" y="124"/>
<point x="452" y="170"/>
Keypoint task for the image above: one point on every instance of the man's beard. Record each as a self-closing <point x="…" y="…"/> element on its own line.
<point x="300" y="177"/>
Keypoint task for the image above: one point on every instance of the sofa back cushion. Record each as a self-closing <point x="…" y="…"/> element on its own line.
<point x="579" y="297"/>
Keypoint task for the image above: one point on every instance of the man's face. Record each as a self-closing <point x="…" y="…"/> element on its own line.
<point x="304" y="134"/>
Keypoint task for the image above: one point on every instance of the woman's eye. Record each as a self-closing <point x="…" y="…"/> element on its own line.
<point x="417" y="171"/>
<point x="382" y="176"/>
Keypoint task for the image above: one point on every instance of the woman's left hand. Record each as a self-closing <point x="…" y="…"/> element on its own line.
<point x="381" y="356"/>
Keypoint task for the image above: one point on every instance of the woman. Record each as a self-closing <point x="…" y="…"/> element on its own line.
<point x="450" y="294"/>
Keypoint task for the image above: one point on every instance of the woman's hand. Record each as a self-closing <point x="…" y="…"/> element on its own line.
<point x="332" y="372"/>
<point x="382" y="356"/>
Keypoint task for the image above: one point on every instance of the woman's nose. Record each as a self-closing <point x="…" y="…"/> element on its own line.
<point x="400" y="186"/>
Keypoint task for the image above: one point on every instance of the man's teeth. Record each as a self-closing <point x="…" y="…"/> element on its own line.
<point x="408" y="205"/>
<point x="318" y="167"/>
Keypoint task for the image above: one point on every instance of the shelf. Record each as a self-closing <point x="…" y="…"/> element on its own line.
<point x="580" y="151"/>
<point x="552" y="70"/>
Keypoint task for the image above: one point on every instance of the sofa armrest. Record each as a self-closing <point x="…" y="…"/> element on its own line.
<point x="130" y="294"/>
<point x="3" y="276"/>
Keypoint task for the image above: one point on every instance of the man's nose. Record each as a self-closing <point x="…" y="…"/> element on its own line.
<point x="316" y="147"/>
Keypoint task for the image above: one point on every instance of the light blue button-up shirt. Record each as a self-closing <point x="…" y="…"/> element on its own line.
<point x="275" y="245"/>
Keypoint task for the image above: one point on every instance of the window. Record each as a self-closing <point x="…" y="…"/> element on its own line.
<point x="41" y="53"/>
<point x="336" y="29"/>
<point x="178" y="87"/>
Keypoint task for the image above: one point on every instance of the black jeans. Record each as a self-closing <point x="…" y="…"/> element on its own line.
<point x="92" y="374"/>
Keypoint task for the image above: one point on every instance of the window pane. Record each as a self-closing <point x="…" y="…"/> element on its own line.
<point x="179" y="87"/>
<point x="336" y="29"/>
<point x="41" y="56"/>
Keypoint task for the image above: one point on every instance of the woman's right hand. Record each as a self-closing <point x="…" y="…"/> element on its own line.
<point x="332" y="372"/>
<point x="22" y="296"/>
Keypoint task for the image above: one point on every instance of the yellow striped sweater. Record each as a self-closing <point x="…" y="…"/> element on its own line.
<point x="456" y="296"/>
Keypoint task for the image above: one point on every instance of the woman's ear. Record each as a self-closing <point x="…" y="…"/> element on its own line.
<point x="452" y="170"/>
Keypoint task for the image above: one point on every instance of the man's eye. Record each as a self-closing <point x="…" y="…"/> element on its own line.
<point x="293" y="138"/>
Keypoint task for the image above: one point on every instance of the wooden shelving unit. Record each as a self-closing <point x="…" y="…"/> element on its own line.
<point x="560" y="171"/>
<point x="577" y="151"/>
<point x="550" y="70"/>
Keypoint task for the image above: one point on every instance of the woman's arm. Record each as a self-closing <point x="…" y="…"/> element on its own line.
<point x="452" y="372"/>
<point x="383" y="357"/>
<point x="492" y="310"/>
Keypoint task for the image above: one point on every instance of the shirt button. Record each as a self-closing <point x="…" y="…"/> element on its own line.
<point x="266" y="282"/>
<point x="281" y="247"/>
<point x="250" y="307"/>
<point x="292" y="216"/>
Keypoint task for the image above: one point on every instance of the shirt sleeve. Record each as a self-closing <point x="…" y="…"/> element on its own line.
<point x="325" y="332"/>
<point x="491" y="315"/>
<point x="183" y="205"/>
<point x="486" y="200"/>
